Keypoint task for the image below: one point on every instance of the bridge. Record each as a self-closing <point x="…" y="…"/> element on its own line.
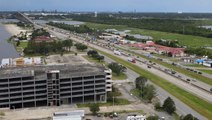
<point x="24" y="18"/>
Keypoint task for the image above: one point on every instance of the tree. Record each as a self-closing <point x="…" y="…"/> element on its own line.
<point x="153" y="118"/>
<point x="189" y="117"/>
<point x="140" y="82"/>
<point x="18" y="43"/>
<point x="149" y="92"/>
<point x="81" y="47"/>
<point x="92" y="52"/>
<point x="169" y="105"/>
<point x="117" y="68"/>
<point x="100" y="58"/>
<point x="67" y="44"/>
<point x="94" y="108"/>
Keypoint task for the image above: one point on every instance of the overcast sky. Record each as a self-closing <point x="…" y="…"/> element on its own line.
<point x="109" y="5"/>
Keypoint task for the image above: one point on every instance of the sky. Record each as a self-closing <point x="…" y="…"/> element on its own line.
<point x="109" y="5"/>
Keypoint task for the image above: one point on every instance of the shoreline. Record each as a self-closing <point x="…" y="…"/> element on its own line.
<point x="13" y="29"/>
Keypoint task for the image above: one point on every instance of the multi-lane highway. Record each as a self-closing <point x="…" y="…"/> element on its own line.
<point x="162" y="95"/>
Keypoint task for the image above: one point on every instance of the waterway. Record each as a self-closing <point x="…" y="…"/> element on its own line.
<point x="7" y="50"/>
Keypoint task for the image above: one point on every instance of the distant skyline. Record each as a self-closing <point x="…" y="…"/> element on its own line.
<point x="108" y="5"/>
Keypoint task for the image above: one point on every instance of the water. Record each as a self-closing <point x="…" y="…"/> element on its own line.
<point x="60" y="21"/>
<point x="7" y="50"/>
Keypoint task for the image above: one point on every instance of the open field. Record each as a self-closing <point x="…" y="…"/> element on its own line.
<point x="196" y="103"/>
<point x="206" y="71"/>
<point x="187" y="40"/>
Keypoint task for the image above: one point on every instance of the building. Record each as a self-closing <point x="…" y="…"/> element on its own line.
<point x="69" y="115"/>
<point x="34" y="86"/>
<point x="43" y="39"/>
<point x="208" y="63"/>
<point x="13" y="62"/>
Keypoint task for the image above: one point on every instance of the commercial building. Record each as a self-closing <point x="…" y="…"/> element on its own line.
<point x="34" y="86"/>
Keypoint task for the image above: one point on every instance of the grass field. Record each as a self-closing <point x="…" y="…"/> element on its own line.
<point x="118" y="101"/>
<point x="195" y="65"/>
<point x="206" y="71"/>
<point x="92" y="60"/>
<point x="119" y="77"/>
<point x="196" y="103"/>
<point x="187" y="40"/>
<point x="23" y="44"/>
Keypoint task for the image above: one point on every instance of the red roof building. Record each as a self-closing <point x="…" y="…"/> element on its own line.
<point x="151" y="46"/>
<point x="43" y="39"/>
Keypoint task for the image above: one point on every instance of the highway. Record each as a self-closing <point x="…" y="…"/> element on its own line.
<point x="184" y="85"/>
<point x="162" y="94"/>
<point x="182" y="109"/>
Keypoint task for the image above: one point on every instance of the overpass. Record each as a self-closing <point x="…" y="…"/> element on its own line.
<point x="24" y="18"/>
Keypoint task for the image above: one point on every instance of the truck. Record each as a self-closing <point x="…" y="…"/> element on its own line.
<point x="116" y="52"/>
<point x="133" y="60"/>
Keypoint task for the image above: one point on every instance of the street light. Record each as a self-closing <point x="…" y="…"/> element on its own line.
<point x="113" y="103"/>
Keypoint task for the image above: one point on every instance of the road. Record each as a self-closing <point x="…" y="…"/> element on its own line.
<point x="193" y="81"/>
<point x="182" y="109"/>
<point x="162" y="94"/>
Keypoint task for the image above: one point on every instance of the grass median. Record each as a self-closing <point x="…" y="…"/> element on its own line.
<point x="201" y="106"/>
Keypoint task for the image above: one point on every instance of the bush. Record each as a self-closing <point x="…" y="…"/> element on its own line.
<point x="157" y="106"/>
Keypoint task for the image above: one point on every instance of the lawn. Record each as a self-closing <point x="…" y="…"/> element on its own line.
<point x="187" y="40"/>
<point x="23" y="44"/>
<point x="119" y="77"/>
<point x="196" y="103"/>
<point x="92" y="60"/>
<point x="195" y="65"/>
<point x="206" y="71"/>
<point x="118" y="101"/>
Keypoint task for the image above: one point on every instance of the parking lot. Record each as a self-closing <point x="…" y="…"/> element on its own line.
<point x="66" y="59"/>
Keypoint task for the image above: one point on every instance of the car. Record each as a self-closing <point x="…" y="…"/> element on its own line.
<point x="173" y="72"/>
<point x="199" y="72"/>
<point x="149" y="66"/>
<point x="98" y="115"/>
<point x="211" y="89"/>
<point x="188" y="80"/>
<point x="105" y="115"/>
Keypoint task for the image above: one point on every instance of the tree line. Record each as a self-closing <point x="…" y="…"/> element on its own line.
<point x="44" y="48"/>
<point x="199" y="52"/>
<point x="188" y="27"/>
<point x="78" y="29"/>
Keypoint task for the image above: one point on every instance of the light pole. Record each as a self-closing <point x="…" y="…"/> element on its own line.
<point x="113" y="103"/>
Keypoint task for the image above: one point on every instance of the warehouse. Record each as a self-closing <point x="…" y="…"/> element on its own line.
<point x="35" y="86"/>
